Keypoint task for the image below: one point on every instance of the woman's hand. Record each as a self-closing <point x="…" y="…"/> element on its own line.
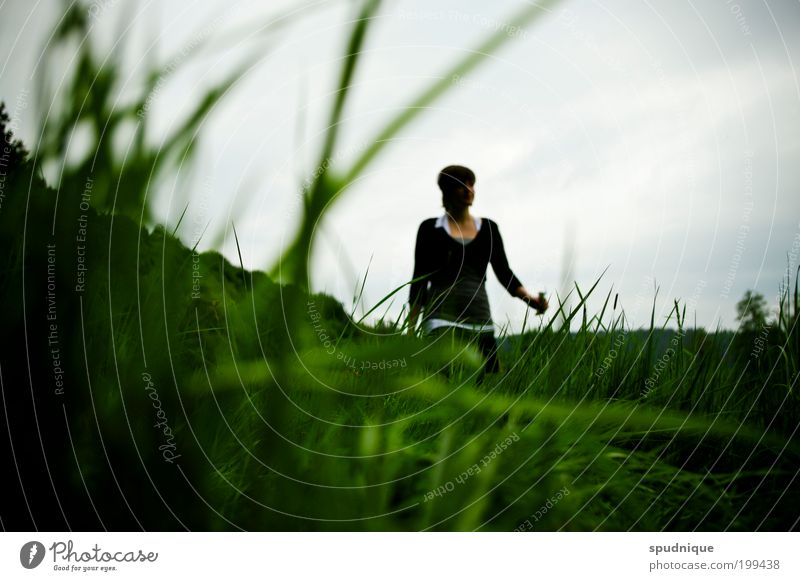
<point x="539" y="303"/>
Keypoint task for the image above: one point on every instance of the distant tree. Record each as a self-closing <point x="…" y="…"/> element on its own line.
<point x="12" y="153"/>
<point x="752" y="312"/>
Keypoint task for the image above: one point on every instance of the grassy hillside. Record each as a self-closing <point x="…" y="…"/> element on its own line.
<point x="149" y="387"/>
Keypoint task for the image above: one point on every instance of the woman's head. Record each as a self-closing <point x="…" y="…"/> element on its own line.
<point x="456" y="181"/>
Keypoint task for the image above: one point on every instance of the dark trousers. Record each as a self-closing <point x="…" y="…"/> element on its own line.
<point x="483" y="340"/>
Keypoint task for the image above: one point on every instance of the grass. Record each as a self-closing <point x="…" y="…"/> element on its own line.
<point x="327" y="425"/>
<point x="287" y="414"/>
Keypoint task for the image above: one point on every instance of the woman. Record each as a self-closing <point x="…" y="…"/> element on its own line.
<point x="451" y="257"/>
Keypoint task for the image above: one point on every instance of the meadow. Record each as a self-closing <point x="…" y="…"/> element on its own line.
<point x="149" y="386"/>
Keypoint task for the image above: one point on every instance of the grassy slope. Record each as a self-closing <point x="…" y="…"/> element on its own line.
<point x="276" y="428"/>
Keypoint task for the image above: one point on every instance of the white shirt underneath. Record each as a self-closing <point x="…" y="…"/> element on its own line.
<point x="443" y="222"/>
<point x="430" y="324"/>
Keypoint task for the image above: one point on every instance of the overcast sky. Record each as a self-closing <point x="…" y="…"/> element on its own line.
<point x="658" y="140"/>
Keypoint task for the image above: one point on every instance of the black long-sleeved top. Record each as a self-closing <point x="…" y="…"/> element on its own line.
<point x="455" y="289"/>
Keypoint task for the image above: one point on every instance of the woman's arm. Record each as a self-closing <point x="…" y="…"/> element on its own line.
<point x="500" y="263"/>
<point x="418" y="292"/>
<point x="507" y="278"/>
<point x="539" y="303"/>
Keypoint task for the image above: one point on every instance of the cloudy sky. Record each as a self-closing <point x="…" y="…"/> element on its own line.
<point x="657" y="140"/>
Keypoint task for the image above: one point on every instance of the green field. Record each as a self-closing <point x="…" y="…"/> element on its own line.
<point x="148" y="386"/>
<point x="145" y="400"/>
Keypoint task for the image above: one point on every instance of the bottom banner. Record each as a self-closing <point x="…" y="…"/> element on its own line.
<point x="354" y="556"/>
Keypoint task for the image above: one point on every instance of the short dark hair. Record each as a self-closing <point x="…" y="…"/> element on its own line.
<point x="454" y="176"/>
<point x="451" y="178"/>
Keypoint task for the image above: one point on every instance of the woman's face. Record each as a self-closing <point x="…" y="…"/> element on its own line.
<point x="464" y="195"/>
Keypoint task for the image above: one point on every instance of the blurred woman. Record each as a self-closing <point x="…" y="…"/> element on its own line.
<point x="451" y="257"/>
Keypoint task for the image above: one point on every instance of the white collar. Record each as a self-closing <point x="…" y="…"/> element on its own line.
<point x="442" y="222"/>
